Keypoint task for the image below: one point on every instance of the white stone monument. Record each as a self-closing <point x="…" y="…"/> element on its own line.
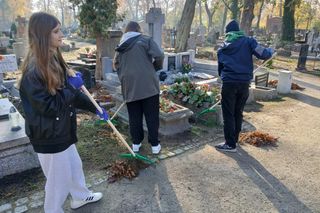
<point x="284" y="81"/>
<point x="155" y="19"/>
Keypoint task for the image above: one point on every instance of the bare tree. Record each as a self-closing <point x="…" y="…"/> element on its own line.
<point x="224" y="19"/>
<point x="259" y="14"/>
<point x="247" y="15"/>
<point x="211" y="12"/>
<point x="62" y="4"/>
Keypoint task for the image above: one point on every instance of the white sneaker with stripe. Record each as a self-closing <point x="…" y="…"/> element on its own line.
<point x="93" y="197"/>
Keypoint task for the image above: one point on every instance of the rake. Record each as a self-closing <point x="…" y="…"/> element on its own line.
<point x="130" y="155"/>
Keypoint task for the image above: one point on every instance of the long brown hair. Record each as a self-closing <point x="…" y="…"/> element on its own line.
<point x="49" y="63"/>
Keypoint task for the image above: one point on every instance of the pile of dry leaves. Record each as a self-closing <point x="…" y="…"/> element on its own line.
<point x="125" y="168"/>
<point x="257" y="138"/>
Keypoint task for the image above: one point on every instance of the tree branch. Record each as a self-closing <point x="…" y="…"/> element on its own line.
<point x="225" y="3"/>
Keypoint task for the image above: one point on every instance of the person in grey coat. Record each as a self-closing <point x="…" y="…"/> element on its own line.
<point x="136" y="61"/>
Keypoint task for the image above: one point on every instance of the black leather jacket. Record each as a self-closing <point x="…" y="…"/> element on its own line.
<point x="50" y="120"/>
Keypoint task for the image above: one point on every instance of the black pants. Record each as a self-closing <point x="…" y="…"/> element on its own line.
<point x="149" y="107"/>
<point x="234" y="97"/>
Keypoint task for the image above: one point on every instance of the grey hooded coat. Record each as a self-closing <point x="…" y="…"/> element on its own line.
<point x="136" y="62"/>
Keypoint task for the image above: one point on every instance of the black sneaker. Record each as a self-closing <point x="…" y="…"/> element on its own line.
<point x="225" y="148"/>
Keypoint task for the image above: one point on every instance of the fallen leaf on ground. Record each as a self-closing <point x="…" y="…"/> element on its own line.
<point x="257" y="138"/>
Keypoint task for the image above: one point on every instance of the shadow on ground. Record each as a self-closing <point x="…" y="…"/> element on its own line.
<point x="281" y="197"/>
<point x="312" y="101"/>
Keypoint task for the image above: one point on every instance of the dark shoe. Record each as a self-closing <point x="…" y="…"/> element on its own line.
<point x="225" y="148"/>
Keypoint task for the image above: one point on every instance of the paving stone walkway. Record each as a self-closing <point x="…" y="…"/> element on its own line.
<point x="36" y="200"/>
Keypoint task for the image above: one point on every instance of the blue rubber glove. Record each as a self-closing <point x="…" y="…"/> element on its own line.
<point x="104" y="115"/>
<point x="76" y="81"/>
<point x="271" y="50"/>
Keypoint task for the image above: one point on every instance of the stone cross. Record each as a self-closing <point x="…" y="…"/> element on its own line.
<point x="155" y="19"/>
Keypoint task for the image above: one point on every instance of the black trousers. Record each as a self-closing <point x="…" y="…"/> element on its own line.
<point x="149" y="107"/>
<point x="234" y="97"/>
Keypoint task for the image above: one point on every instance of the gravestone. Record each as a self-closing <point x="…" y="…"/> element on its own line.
<point x="16" y="152"/>
<point x="302" y="57"/>
<point x="183" y="58"/>
<point x="201" y="35"/>
<point x="284" y="81"/>
<point x="274" y="25"/>
<point x="8" y="63"/>
<point x="192" y="55"/>
<point x="170" y="62"/>
<point x="112" y="41"/>
<point x="155" y="19"/>
<point x="192" y="41"/>
<point x="173" y="35"/>
<point x="19" y="49"/>
<point x="166" y="35"/>
<point x="106" y="65"/>
<point x="4" y="41"/>
<point x="212" y="36"/>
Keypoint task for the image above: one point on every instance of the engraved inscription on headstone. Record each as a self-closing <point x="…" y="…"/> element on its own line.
<point x="8" y="63"/>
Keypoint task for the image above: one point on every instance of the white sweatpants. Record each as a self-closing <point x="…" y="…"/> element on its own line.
<point x="64" y="175"/>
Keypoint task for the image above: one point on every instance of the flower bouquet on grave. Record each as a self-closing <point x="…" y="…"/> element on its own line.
<point x="167" y="105"/>
<point x="186" y="68"/>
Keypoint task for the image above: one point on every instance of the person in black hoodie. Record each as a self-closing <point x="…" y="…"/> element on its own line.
<point x="235" y="67"/>
<point x="136" y="61"/>
<point x="49" y="98"/>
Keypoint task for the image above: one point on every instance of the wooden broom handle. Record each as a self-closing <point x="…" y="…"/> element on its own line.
<point x="84" y="89"/>
<point x="114" y="115"/>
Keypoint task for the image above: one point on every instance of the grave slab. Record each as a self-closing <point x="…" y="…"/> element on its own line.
<point x="16" y="152"/>
<point x="170" y="123"/>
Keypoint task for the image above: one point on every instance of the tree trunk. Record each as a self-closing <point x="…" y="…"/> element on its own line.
<point x="247" y="16"/>
<point x="288" y="20"/>
<point x="62" y="5"/>
<point x="167" y="8"/>
<point x="259" y="15"/>
<point x="101" y="52"/>
<point x="137" y="10"/>
<point x="130" y="8"/>
<point x="210" y="14"/>
<point x="200" y="12"/>
<point x="184" y="25"/>
<point x="234" y="9"/>
<point x="224" y="19"/>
